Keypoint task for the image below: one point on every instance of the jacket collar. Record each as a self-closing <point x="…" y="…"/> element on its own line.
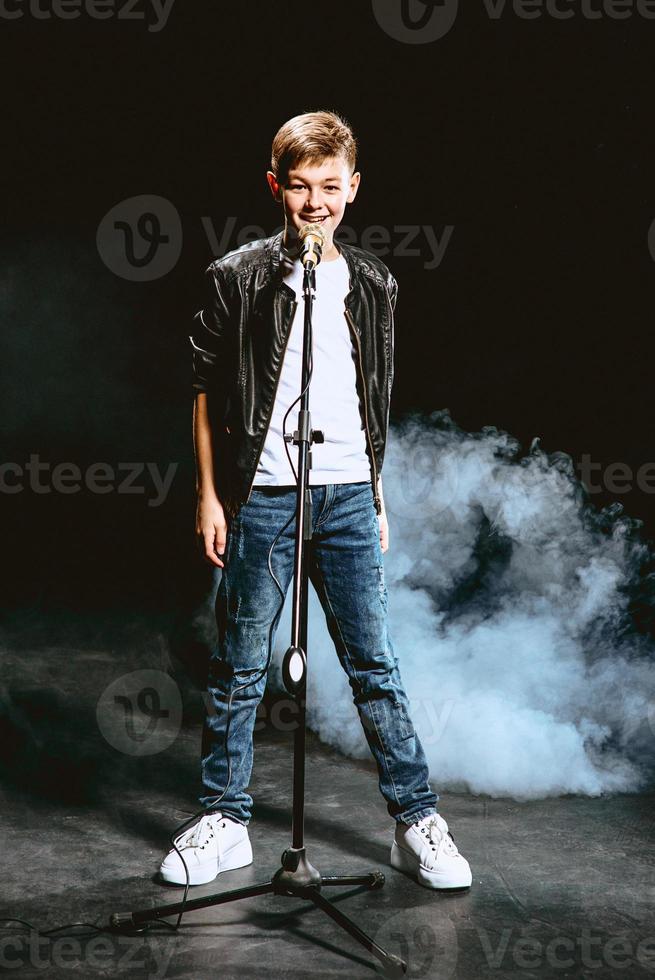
<point x="278" y="255"/>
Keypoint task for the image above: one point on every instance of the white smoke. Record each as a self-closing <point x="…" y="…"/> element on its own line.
<point x="508" y="611"/>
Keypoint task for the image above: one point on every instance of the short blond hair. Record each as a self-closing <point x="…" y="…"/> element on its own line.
<point x="311" y="138"/>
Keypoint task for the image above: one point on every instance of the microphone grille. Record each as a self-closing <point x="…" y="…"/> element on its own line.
<point x="313" y="229"/>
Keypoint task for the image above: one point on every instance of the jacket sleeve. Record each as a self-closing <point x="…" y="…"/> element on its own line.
<point x="209" y="339"/>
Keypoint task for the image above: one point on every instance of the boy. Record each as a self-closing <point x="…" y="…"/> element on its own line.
<point x="247" y="344"/>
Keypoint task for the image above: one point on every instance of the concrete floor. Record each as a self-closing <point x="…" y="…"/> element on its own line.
<point x="561" y="888"/>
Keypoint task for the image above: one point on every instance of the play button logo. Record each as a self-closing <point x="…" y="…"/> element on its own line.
<point x="415" y="21"/>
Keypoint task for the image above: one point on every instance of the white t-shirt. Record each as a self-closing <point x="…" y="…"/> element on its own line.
<point x="333" y="398"/>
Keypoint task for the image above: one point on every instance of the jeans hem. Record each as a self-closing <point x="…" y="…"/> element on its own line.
<point x="209" y="810"/>
<point x="413" y="818"/>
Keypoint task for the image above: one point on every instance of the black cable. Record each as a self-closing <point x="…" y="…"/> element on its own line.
<point x="96" y="929"/>
<point x="93" y="927"/>
<point x="187" y="824"/>
<point x="203" y="812"/>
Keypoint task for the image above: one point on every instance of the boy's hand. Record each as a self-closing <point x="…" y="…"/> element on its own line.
<point x="384" y="531"/>
<point x="211" y="528"/>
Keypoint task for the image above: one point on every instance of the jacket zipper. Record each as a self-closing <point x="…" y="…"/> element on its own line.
<point x="242" y="366"/>
<point x="390" y="357"/>
<point x="270" y="414"/>
<point x="378" y="505"/>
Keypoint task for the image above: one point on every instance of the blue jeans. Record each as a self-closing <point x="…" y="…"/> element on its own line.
<point x="346" y="568"/>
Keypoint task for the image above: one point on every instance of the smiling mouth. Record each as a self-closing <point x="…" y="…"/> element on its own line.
<point x="312" y="219"/>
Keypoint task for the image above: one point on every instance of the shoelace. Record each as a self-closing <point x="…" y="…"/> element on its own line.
<point x="198" y="834"/>
<point x="436" y="836"/>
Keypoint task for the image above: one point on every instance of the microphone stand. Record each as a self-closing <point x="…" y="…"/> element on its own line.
<point x="297" y="877"/>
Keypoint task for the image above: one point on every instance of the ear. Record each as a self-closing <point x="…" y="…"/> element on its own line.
<point x="354" y="184"/>
<point x="276" y="189"/>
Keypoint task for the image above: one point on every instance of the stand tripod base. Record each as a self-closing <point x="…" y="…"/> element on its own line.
<point x="297" y="878"/>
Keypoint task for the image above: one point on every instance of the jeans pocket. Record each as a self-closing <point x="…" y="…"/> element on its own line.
<point x="233" y="529"/>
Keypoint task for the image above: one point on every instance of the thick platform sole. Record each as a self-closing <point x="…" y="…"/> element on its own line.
<point x="409" y="864"/>
<point x="239" y="856"/>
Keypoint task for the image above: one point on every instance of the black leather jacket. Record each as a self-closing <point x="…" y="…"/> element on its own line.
<point x="239" y="338"/>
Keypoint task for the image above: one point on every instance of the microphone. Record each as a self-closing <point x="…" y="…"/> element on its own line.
<point x="312" y="240"/>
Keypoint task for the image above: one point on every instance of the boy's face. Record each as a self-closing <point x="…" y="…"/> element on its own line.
<point x="315" y="193"/>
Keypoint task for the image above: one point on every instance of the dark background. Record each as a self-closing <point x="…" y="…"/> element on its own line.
<point x="533" y="138"/>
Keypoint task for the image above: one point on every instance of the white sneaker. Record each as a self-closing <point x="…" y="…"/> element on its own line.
<point x="426" y="850"/>
<point x="214" y="844"/>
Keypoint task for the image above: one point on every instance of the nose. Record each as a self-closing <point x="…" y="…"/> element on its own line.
<point x="313" y="202"/>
